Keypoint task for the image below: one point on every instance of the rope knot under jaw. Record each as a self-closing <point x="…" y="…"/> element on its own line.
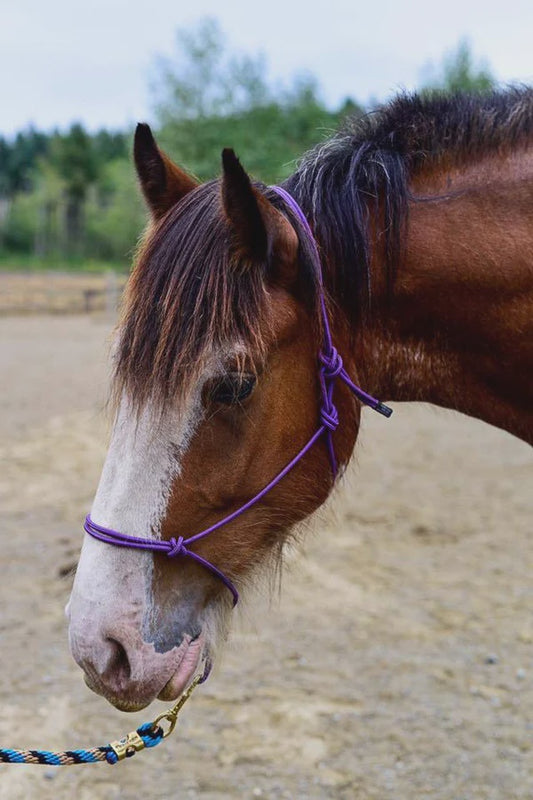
<point x="330" y="417"/>
<point x="177" y="547"/>
<point x="331" y="363"/>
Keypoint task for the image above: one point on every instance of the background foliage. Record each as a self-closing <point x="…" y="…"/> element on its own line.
<point x="69" y="198"/>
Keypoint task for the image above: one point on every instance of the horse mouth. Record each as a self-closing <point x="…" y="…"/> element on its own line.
<point x="188" y="667"/>
<point x="135" y="696"/>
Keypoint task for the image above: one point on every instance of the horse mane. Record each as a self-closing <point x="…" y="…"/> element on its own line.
<point x="354" y="187"/>
<point x="188" y="300"/>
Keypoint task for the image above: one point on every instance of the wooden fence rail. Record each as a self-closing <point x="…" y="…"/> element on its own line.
<point x="60" y="292"/>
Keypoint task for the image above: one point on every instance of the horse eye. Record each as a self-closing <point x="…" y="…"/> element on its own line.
<point x="232" y="389"/>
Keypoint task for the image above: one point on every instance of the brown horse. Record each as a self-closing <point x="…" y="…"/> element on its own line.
<point x="423" y="213"/>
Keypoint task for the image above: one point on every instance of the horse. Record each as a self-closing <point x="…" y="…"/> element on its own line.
<point x="407" y="239"/>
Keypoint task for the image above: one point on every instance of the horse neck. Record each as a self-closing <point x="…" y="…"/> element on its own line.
<point x="456" y="328"/>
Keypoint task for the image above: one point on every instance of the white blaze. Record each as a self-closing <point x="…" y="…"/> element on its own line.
<point x="143" y="460"/>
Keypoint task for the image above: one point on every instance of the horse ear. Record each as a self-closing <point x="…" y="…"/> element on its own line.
<point x="163" y="183"/>
<point x="241" y="204"/>
<point x="261" y="233"/>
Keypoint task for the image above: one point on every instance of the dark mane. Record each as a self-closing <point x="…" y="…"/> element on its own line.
<point x="361" y="175"/>
<point x="188" y="299"/>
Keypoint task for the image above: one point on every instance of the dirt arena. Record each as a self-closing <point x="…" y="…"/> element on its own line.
<point x="396" y="664"/>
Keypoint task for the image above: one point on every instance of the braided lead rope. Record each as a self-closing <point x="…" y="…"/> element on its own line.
<point x="150" y="734"/>
<point x="147" y="735"/>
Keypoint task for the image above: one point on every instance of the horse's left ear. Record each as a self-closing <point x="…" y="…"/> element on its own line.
<point x="262" y="235"/>
<point x="163" y="183"/>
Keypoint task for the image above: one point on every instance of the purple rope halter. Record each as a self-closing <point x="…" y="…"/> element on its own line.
<point x="331" y="368"/>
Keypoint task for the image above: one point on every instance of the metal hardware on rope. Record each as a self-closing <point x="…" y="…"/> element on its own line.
<point x="150" y="734"/>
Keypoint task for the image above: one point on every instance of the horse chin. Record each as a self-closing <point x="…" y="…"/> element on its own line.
<point x="128" y="706"/>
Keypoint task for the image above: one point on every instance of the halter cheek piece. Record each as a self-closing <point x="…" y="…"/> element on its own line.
<point x="330" y="370"/>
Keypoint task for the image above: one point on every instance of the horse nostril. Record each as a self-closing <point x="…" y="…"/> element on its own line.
<point x="118" y="663"/>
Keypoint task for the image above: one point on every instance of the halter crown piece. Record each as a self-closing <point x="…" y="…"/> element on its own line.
<point x="330" y="370"/>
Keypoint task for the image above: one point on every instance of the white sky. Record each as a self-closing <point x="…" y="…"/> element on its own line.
<point x="65" y="60"/>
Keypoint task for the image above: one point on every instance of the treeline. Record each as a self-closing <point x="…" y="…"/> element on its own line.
<point x="73" y="195"/>
<point x="69" y="197"/>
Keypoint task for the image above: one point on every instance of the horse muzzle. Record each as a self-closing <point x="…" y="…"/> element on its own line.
<point x="131" y="673"/>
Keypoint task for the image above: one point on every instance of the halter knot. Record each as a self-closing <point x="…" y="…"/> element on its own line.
<point x="331" y="363"/>
<point x="329" y="416"/>
<point x="177" y="547"/>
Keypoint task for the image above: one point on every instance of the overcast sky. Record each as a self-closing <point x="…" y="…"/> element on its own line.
<point x="65" y="60"/>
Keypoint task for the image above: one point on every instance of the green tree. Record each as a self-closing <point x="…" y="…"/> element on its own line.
<point x="205" y="80"/>
<point x="460" y="72"/>
<point x="109" y="145"/>
<point x="209" y="99"/>
<point x="71" y="194"/>
<point x="73" y="155"/>
<point x="18" y="160"/>
<point x="115" y="213"/>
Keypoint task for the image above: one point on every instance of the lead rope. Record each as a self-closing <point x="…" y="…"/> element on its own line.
<point x="148" y="735"/>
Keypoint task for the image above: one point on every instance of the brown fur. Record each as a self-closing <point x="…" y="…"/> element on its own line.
<point x="450" y="319"/>
<point x="459" y="330"/>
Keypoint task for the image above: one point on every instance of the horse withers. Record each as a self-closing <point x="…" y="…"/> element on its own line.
<point x="423" y="215"/>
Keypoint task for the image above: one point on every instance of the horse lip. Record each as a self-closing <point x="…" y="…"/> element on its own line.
<point x="184" y="672"/>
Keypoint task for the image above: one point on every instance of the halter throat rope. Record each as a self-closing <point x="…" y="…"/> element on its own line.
<point x="330" y="370"/>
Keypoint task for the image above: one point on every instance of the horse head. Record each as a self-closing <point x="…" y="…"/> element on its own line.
<point x="217" y="388"/>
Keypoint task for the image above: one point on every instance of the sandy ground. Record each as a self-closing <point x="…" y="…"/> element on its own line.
<point x="397" y="663"/>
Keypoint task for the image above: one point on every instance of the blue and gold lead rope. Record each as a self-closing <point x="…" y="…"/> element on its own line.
<point x="150" y="734"/>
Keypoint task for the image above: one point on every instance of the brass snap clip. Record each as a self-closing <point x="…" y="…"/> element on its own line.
<point x="171" y="715"/>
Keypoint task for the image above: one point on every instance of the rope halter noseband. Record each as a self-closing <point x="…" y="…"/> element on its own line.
<point x="330" y="370"/>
